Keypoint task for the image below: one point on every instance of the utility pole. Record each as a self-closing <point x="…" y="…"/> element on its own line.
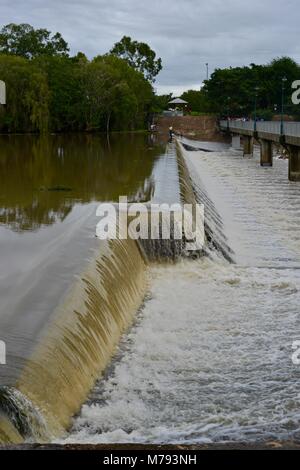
<point x="228" y="104"/>
<point x="206" y="70"/>
<point x="255" y="107"/>
<point x="283" y="80"/>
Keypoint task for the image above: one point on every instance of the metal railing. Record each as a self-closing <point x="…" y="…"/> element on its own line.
<point x="269" y="127"/>
<point x="291" y="129"/>
<point x="174" y="113"/>
<point x="242" y="125"/>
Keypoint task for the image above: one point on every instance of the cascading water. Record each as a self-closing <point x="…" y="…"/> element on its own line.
<point x="51" y="377"/>
<point x="193" y="192"/>
<point x="23" y="417"/>
<point x="66" y="297"/>
<point x="78" y="344"/>
<point x="173" y="187"/>
<point x="79" y="341"/>
<point x="209" y="357"/>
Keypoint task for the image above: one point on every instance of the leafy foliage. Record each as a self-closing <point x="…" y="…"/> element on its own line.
<point x="197" y="101"/>
<point x="48" y="90"/>
<point x="233" y="91"/>
<point x="139" y="56"/>
<point x="27" y="95"/>
<point x="161" y="102"/>
<point x="25" y="41"/>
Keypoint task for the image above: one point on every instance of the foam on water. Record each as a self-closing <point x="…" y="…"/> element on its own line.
<point x="209" y="358"/>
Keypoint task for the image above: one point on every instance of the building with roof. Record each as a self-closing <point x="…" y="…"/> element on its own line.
<point x="177" y="106"/>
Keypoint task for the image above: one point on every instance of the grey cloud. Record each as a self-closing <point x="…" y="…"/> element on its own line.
<point x="186" y="34"/>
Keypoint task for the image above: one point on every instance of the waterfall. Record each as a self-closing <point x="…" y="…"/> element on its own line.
<point x="77" y="346"/>
<point x="78" y="343"/>
<point x="192" y="192"/>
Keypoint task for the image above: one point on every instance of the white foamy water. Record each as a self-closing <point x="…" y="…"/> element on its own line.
<point x="209" y="358"/>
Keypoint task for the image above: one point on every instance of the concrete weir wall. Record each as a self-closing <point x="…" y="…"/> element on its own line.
<point x="78" y="342"/>
<point x="203" y="127"/>
<point x="76" y="346"/>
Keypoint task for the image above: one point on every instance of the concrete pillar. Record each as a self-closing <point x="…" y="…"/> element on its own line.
<point x="236" y="141"/>
<point x="294" y="163"/>
<point x="248" y="145"/>
<point x="266" y="153"/>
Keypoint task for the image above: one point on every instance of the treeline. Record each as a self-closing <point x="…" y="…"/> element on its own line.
<point x="234" y="91"/>
<point x="47" y="90"/>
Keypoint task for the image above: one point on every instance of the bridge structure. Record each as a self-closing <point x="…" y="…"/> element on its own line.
<point x="267" y="133"/>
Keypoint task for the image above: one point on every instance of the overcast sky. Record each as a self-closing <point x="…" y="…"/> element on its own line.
<point x="185" y="34"/>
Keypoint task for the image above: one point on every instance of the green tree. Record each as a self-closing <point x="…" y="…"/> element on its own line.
<point x="116" y="96"/>
<point x="27" y="96"/>
<point x="161" y="103"/>
<point x="46" y="89"/>
<point x="23" y="40"/>
<point x="132" y="110"/>
<point x="233" y="91"/>
<point x="66" y="91"/>
<point x="197" y="101"/>
<point x="138" y="55"/>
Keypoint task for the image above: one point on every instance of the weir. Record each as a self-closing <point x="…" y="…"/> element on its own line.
<point x="196" y="365"/>
<point x="66" y="297"/>
<point x="78" y="343"/>
<point x="192" y="191"/>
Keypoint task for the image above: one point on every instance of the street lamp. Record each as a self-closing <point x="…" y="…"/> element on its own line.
<point x="227" y="106"/>
<point x="206" y="70"/>
<point x="255" y="106"/>
<point x="283" y="80"/>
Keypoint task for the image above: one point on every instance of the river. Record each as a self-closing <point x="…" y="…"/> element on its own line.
<point x="209" y="358"/>
<point x="65" y="296"/>
<point x="193" y="351"/>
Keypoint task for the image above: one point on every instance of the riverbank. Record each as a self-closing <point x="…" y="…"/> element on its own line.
<point x="219" y="369"/>
<point x="194" y="127"/>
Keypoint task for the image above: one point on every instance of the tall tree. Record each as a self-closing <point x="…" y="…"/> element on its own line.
<point x="138" y="55"/>
<point x="161" y="102"/>
<point x="27" y="95"/>
<point x="23" y="40"/>
<point x="46" y="89"/>
<point x="65" y="82"/>
<point x="234" y="91"/>
<point x="197" y="101"/>
<point x="116" y="96"/>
